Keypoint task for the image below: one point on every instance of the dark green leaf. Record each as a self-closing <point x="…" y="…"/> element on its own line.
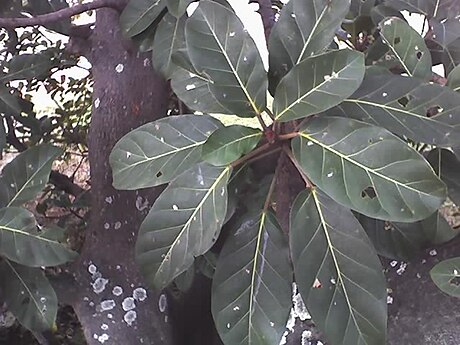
<point x="157" y="152"/>
<point x="430" y="8"/>
<point x="445" y="32"/>
<point x="183" y="223"/>
<point x="193" y="88"/>
<point x="20" y="241"/>
<point x="337" y="271"/>
<point x="185" y="280"/>
<point x="380" y="12"/>
<point x="305" y="28"/>
<point x="178" y="7"/>
<point x="138" y="15"/>
<point x="25" y="177"/>
<point x="222" y="50"/>
<point x="2" y="135"/>
<point x="446" y="275"/>
<point x="9" y="104"/>
<point x="368" y="169"/>
<point x="47" y="6"/>
<point x="27" y="66"/>
<point x="206" y="264"/>
<point x="453" y="80"/>
<point x="423" y="112"/>
<point x="29" y="296"/>
<point x="362" y="7"/>
<point x="251" y="292"/>
<point x="318" y="83"/>
<point x="227" y="144"/>
<point x="407" y="48"/>
<point x="446" y="164"/>
<point x="402" y="241"/>
<point x="169" y="38"/>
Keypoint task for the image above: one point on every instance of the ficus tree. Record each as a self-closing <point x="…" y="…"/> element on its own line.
<point x="351" y="153"/>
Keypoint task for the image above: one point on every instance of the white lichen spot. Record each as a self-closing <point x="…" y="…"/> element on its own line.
<point x="402" y="268"/>
<point x="293" y="15"/>
<point x="190" y="87"/>
<point x="128" y="304"/>
<point x="231" y="34"/>
<point x="384" y="94"/>
<point x="104" y="326"/>
<point x="433" y="252"/>
<point x="119" y="68"/>
<point x="157" y="126"/>
<point x="248" y="271"/>
<point x="141" y="204"/>
<point x="130" y="317"/>
<point x="140" y="294"/>
<point x="117" y="290"/>
<point x="229" y="325"/>
<point x="309" y="143"/>
<point x="245" y="58"/>
<point x="162" y="139"/>
<point x="162" y="303"/>
<point x="97" y="103"/>
<point x="236" y="308"/>
<point x="455" y="272"/>
<point x="103" y="338"/>
<point x="128" y="154"/>
<point x="146" y="62"/>
<point x="393" y="263"/>
<point x="106" y="226"/>
<point x="272" y="324"/>
<point x="107" y="304"/>
<point x="389" y="299"/>
<point x="175" y="207"/>
<point x="99" y="285"/>
<point x="43" y="299"/>
<point x="95" y="336"/>
<point x="333" y="281"/>
<point x="117" y="225"/>
<point x="327" y="77"/>
<point x="330" y="174"/>
<point x="222" y="192"/>
<point x="109" y="316"/>
<point x="92" y="269"/>
<point x="306" y="335"/>
<point x="388" y="22"/>
<point x="108" y="199"/>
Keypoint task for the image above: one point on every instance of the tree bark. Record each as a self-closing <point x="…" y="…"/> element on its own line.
<point x="127" y="93"/>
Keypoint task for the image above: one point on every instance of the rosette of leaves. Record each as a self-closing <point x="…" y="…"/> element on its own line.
<point x="353" y="122"/>
<point x="24" y="247"/>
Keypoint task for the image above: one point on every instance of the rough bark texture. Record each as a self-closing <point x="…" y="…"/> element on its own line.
<point x="127" y="94"/>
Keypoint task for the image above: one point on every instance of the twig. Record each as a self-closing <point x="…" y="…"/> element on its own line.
<point x="251" y="155"/>
<point x="298" y="167"/>
<point x="58" y="15"/>
<point x="267" y="15"/>
<point x="288" y="136"/>
<point x="273" y="184"/>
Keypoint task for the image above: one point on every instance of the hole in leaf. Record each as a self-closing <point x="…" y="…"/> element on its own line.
<point x="369" y="192"/>
<point x="397" y="40"/>
<point x="434" y="110"/>
<point x="419" y="55"/>
<point x="403" y="101"/>
<point x="159" y="174"/>
<point x="455" y="281"/>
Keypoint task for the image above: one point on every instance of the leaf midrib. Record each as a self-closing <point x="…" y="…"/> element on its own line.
<point x="24" y="233"/>
<point x="224" y="53"/>
<point x="193" y="214"/>
<point x="367" y="169"/>
<point x="143" y="15"/>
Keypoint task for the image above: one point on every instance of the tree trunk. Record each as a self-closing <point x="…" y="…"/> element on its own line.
<point x="127" y="93"/>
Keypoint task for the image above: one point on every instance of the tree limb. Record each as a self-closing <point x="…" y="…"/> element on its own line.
<point x="267" y="14"/>
<point x="58" y="15"/>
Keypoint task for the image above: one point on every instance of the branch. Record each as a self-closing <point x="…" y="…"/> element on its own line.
<point x="58" y="15"/>
<point x="267" y="14"/>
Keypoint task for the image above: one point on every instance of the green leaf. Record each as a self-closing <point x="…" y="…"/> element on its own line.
<point x="20" y="241"/>
<point x="138" y="15"/>
<point x="227" y="144"/>
<point x="29" y="296"/>
<point x="444" y="32"/>
<point x="337" y="271"/>
<point x="178" y="7"/>
<point x="368" y="169"/>
<point x="423" y="112"/>
<point x="318" y="83"/>
<point x="429" y="8"/>
<point x="380" y="12"/>
<point x="27" y="66"/>
<point x="446" y="275"/>
<point x="407" y="48"/>
<point x="157" y="152"/>
<point x="251" y="291"/>
<point x="446" y="164"/>
<point x="9" y="104"/>
<point x="453" y="79"/>
<point x="193" y="88"/>
<point x="402" y="241"/>
<point x="184" y="222"/>
<point x="25" y="177"/>
<point x="305" y="28"/>
<point x="362" y="7"/>
<point x="169" y="38"/>
<point x="220" y="48"/>
<point x="41" y="7"/>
